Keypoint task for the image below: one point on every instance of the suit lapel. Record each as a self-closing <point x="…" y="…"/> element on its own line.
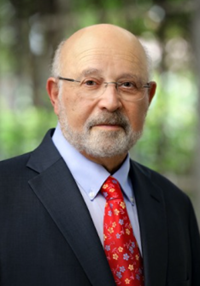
<point x="153" y="226"/>
<point x="58" y="192"/>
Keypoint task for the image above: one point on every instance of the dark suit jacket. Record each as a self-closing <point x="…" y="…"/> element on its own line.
<point x="47" y="237"/>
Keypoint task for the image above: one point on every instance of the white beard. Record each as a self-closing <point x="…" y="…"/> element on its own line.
<point x="100" y="143"/>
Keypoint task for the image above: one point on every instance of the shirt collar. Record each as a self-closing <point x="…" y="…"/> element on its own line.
<point x="92" y="176"/>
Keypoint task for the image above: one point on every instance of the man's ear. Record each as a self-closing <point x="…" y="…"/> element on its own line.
<point x="53" y="91"/>
<point x="152" y="90"/>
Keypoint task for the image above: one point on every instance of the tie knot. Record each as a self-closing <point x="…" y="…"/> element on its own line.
<point x="111" y="189"/>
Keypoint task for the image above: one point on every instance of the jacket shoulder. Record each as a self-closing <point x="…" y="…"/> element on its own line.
<point x="15" y="162"/>
<point x="160" y="181"/>
<point x="30" y="162"/>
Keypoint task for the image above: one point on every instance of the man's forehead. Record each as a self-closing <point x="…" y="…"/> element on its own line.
<point x="110" y="43"/>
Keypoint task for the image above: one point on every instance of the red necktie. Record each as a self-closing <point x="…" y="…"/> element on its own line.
<point x="120" y="245"/>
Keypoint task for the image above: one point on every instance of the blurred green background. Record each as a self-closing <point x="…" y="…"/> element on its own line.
<point x="31" y="30"/>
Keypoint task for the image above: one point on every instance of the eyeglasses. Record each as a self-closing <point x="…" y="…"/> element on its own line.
<point x="92" y="88"/>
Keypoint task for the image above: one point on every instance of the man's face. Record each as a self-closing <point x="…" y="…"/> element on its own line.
<point x="101" y="123"/>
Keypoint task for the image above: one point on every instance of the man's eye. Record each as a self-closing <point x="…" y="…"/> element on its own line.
<point x="128" y="84"/>
<point x="90" y="82"/>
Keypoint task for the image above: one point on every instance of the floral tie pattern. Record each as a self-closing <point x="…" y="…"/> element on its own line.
<point x="120" y="245"/>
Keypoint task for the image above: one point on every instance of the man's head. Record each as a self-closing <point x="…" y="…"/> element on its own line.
<point x="102" y="112"/>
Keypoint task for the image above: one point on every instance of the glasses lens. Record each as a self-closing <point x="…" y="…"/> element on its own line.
<point x="128" y="90"/>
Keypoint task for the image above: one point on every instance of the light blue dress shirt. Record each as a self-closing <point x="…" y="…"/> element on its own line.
<point x="90" y="176"/>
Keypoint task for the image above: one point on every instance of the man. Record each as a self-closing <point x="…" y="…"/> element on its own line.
<point x="53" y="227"/>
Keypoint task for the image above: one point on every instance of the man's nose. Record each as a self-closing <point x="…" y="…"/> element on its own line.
<point x="110" y="98"/>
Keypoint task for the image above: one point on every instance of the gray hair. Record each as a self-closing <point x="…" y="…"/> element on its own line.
<point x="55" y="67"/>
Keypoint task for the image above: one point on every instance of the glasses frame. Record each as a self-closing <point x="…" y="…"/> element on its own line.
<point x="68" y="79"/>
<point x="117" y="84"/>
<point x="146" y="85"/>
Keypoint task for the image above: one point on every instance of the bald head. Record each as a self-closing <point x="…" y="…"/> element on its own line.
<point x="103" y="39"/>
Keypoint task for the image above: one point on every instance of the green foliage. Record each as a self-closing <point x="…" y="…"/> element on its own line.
<point x="168" y="141"/>
<point x="22" y="131"/>
<point x="30" y="32"/>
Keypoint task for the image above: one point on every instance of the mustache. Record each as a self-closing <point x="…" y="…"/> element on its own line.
<point x="114" y="118"/>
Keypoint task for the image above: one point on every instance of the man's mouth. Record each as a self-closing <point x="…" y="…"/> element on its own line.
<point x="108" y="126"/>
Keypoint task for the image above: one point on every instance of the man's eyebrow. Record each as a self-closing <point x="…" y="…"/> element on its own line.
<point x="95" y="71"/>
<point x="91" y="71"/>
<point x="129" y="75"/>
